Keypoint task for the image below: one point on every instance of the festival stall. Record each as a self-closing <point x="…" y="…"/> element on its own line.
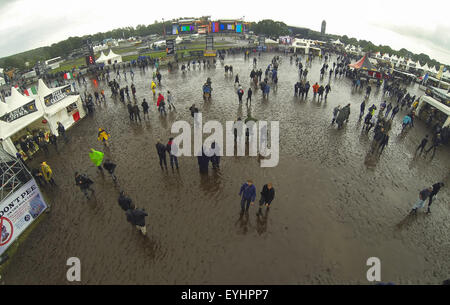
<point x="21" y="118"/>
<point x="366" y="68"/>
<point x="60" y="105"/>
<point x="426" y="103"/>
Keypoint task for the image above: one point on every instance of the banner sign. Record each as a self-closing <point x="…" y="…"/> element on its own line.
<point x="170" y="47"/>
<point x="18" y="211"/>
<point x="209" y="53"/>
<point x="19" y="112"/>
<point x="57" y="96"/>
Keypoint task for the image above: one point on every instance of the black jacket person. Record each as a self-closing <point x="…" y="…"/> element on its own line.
<point x="125" y="202"/>
<point x="161" y="150"/>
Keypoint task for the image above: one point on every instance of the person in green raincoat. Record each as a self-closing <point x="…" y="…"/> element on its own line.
<point x="96" y="158"/>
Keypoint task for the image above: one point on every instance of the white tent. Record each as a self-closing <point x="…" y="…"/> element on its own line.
<point x="433" y="70"/>
<point x="178" y="40"/>
<point x="110" y="59"/>
<point x="102" y="58"/>
<point x="17" y="113"/>
<point x="114" y="57"/>
<point x="425" y="67"/>
<point x="2" y="81"/>
<point x="270" y="41"/>
<point x="436" y="104"/>
<point x="60" y="106"/>
<point x="338" y="42"/>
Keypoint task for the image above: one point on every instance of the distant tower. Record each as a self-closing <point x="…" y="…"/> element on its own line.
<point x="324" y="25"/>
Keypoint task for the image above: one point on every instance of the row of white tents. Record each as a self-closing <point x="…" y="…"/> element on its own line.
<point x="42" y="110"/>
<point x="397" y="61"/>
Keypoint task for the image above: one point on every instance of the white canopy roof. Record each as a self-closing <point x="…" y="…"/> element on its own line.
<point x="43" y="90"/>
<point x="101" y="58"/>
<point x="178" y="39"/>
<point x="337" y="41"/>
<point x="110" y="57"/>
<point x="270" y="41"/>
<point x="14" y="101"/>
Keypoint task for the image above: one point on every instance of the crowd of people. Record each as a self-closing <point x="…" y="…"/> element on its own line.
<point x="379" y="117"/>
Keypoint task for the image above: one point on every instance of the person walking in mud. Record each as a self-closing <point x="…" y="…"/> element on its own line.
<point x="47" y="173"/>
<point x="137" y="218"/>
<point x="97" y="158"/>
<point x="145" y="108"/>
<point x="327" y="90"/>
<point x="384" y="142"/>
<point x="62" y="131"/>
<point x="434" y="145"/>
<point x="170" y="101"/>
<point x="84" y="183"/>
<point x="248" y="195"/>
<point x="130" y="111"/>
<point x="362" y="108"/>
<point x="161" y="151"/>
<point x="422" y="145"/>
<point x="423" y="196"/>
<point x="125" y="202"/>
<point x="249" y="95"/>
<point x="110" y="167"/>
<point x="137" y="113"/>
<point x="267" y="196"/>
<point x="335" y="113"/>
<point x="436" y="189"/>
<point x="172" y="150"/>
<point x="153" y="87"/>
<point x="103" y="136"/>
<point x="240" y="93"/>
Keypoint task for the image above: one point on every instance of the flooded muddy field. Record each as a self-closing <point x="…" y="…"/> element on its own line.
<point x="335" y="205"/>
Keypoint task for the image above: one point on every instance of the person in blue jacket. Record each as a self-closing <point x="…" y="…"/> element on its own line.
<point x="248" y="193"/>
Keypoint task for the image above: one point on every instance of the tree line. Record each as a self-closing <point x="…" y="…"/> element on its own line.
<point x="267" y="27"/>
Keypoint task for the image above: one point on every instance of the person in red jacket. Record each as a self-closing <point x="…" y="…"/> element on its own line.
<point x="315" y="89"/>
<point x="161" y="104"/>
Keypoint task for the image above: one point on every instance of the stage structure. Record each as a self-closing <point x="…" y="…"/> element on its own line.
<point x="13" y="174"/>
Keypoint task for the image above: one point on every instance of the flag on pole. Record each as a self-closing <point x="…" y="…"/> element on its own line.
<point x="425" y="77"/>
<point x="68" y="75"/>
<point x="30" y="91"/>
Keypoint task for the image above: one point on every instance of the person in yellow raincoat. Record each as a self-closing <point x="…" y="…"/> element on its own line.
<point x="47" y="173"/>
<point x="153" y="86"/>
<point x="103" y="136"/>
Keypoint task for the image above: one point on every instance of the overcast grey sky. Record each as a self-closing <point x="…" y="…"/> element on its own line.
<point x="414" y="25"/>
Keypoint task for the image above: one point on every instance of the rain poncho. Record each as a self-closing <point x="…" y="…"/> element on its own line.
<point x="46" y="171"/>
<point x="103" y="135"/>
<point x="96" y="157"/>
